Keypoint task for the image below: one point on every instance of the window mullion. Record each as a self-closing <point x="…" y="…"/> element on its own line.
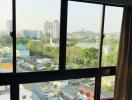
<point x="98" y="77"/>
<point x="63" y="35"/>
<point x="14" y="35"/>
<point x="14" y="85"/>
<point x="101" y="37"/>
<point x="14" y="91"/>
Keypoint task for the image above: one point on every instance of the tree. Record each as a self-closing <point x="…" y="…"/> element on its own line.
<point x="110" y="59"/>
<point x="22" y="40"/>
<point x="6" y="40"/>
<point x="47" y="65"/>
<point x="91" y="57"/>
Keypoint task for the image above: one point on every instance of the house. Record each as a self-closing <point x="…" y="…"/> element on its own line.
<point x="21" y="51"/>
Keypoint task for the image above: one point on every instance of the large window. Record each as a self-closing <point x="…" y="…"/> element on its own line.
<point x="107" y="86"/>
<point x="75" y="89"/>
<point x="5" y="92"/>
<point x="83" y="34"/>
<point x="5" y="38"/>
<point x="38" y="28"/>
<point x="61" y="49"/>
<point x="112" y="28"/>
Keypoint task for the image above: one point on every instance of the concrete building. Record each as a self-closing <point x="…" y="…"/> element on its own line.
<point x="5" y="65"/>
<point x="48" y="27"/>
<point x="4" y="93"/>
<point x="26" y="92"/>
<point x="52" y="29"/>
<point x="68" y="93"/>
<point x="21" y="51"/>
<point x="9" y="25"/>
<point x="33" y="34"/>
<point x="56" y="29"/>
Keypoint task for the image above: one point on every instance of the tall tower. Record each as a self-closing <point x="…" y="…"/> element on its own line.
<point x="9" y="26"/>
<point x="48" y="30"/>
<point x="48" y="27"/>
<point x="56" y="29"/>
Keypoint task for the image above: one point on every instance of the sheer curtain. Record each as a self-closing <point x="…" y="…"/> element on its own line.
<point x="123" y="87"/>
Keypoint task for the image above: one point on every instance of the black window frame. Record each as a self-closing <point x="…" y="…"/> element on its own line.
<point x="14" y="79"/>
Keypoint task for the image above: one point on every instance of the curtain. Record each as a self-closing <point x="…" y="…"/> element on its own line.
<point x="123" y="87"/>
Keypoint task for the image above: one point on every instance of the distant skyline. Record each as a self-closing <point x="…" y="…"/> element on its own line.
<point x="31" y="14"/>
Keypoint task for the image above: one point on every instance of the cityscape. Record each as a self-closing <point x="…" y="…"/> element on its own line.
<point x="39" y="51"/>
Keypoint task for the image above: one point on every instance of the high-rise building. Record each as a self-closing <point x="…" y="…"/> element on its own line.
<point x="9" y="25"/>
<point x="56" y="29"/>
<point x="52" y="28"/>
<point x="48" y="27"/>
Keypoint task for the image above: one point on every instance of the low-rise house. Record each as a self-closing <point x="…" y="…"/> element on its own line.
<point x="21" y="51"/>
<point x="26" y="92"/>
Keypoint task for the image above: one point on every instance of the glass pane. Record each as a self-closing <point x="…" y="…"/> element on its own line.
<point x="83" y="35"/>
<point x="4" y="92"/>
<point x="75" y="89"/>
<point x="5" y="38"/>
<point x="112" y="28"/>
<point x="107" y="87"/>
<point x="37" y="26"/>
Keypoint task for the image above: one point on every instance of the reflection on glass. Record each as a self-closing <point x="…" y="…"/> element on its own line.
<point x="107" y="86"/>
<point x="5" y="39"/>
<point x="38" y="28"/>
<point x="83" y="35"/>
<point x="4" y="92"/>
<point x="75" y="89"/>
<point x="112" y="27"/>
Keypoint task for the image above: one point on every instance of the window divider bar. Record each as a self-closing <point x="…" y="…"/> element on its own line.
<point x="97" y="87"/>
<point x="33" y="77"/>
<point x="14" y="91"/>
<point x="101" y="37"/>
<point x="63" y="35"/>
<point x="14" y="34"/>
<point x="98" y="77"/>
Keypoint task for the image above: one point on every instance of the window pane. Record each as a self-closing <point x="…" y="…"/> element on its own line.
<point x="83" y="35"/>
<point x="112" y="28"/>
<point x="38" y="26"/>
<point x="5" y="38"/>
<point x="75" y="89"/>
<point x="4" y="92"/>
<point x="107" y="87"/>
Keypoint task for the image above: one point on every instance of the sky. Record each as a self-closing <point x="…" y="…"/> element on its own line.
<point x="31" y="14"/>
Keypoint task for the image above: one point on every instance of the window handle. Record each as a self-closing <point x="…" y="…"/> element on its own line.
<point x="103" y="36"/>
<point x="11" y="34"/>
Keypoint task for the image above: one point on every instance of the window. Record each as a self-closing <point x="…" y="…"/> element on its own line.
<point x="74" y="89"/>
<point x="5" y="92"/>
<point x="83" y="35"/>
<point x="107" y="87"/>
<point x="5" y="38"/>
<point x="38" y="28"/>
<point x="59" y="44"/>
<point x="112" y="28"/>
